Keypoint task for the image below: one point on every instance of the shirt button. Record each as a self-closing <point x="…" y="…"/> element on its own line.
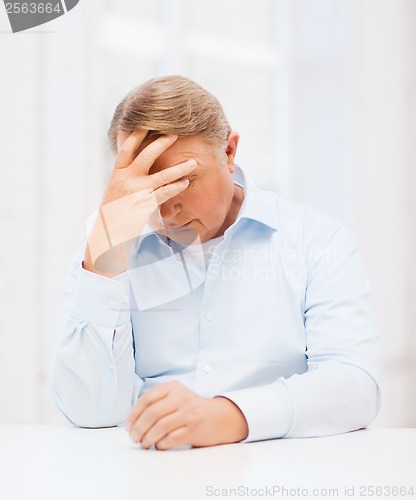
<point x="207" y="368"/>
<point x="111" y="366"/>
<point x="112" y="305"/>
<point x="209" y="316"/>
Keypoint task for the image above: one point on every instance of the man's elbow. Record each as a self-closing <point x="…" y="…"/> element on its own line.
<point x="89" y="415"/>
<point x="368" y="402"/>
<point x="361" y="406"/>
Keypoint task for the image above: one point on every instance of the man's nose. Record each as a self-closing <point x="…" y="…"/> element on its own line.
<point x="170" y="209"/>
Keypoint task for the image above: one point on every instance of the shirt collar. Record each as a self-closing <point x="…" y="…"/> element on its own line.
<point x="258" y="205"/>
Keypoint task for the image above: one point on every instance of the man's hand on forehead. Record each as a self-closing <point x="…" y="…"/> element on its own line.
<point x="132" y="195"/>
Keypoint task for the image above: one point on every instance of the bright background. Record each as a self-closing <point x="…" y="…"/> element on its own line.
<point x="322" y="92"/>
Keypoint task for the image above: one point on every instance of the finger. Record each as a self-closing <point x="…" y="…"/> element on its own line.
<point x="161" y="429"/>
<point x="172" y="173"/>
<point x="150" y="417"/>
<point x="129" y="147"/>
<point x="121" y="137"/>
<point x="156" y="422"/>
<point x="144" y="401"/>
<point x="145" y="159"/>
<point x="178" y="437"/>
<point x="164" y="193"/>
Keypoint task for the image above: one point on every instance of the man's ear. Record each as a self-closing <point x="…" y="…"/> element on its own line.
<point x="232" y="144"/>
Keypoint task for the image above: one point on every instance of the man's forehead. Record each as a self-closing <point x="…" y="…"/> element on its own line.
<point x="184" y="148"/>
<point x="187" y="146"/>
<point x="178" y="153"/>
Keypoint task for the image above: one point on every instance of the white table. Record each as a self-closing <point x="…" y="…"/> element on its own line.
<point x="64" y="463"/>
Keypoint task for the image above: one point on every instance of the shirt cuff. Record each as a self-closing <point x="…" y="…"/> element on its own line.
<point x="269" y="410"/>
<point x="101" y="300"/>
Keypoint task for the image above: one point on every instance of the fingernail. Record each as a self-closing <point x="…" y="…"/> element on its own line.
<point x="185" y="182"/>
<point x="191" y="163"/>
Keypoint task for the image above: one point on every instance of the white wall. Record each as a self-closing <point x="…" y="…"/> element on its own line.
<point x="381" y="183"/>
<point x="48" y="164"/>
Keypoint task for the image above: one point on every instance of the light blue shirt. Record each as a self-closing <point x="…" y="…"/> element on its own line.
<point x="279" y="322"/>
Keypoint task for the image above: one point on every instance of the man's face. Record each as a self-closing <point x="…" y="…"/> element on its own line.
<point x="210" y="204"/>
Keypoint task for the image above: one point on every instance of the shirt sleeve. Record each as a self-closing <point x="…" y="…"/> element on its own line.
<point x="94" y="383"/>
<point x="339" y="392"/>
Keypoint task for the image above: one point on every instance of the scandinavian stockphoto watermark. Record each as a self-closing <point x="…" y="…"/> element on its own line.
<point x="25" y="15"/>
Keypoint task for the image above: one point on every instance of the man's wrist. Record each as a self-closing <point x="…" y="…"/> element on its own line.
<point x="231" y="422"/>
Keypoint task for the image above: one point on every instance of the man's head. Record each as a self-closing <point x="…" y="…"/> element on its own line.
<point x="176" y="105"/>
